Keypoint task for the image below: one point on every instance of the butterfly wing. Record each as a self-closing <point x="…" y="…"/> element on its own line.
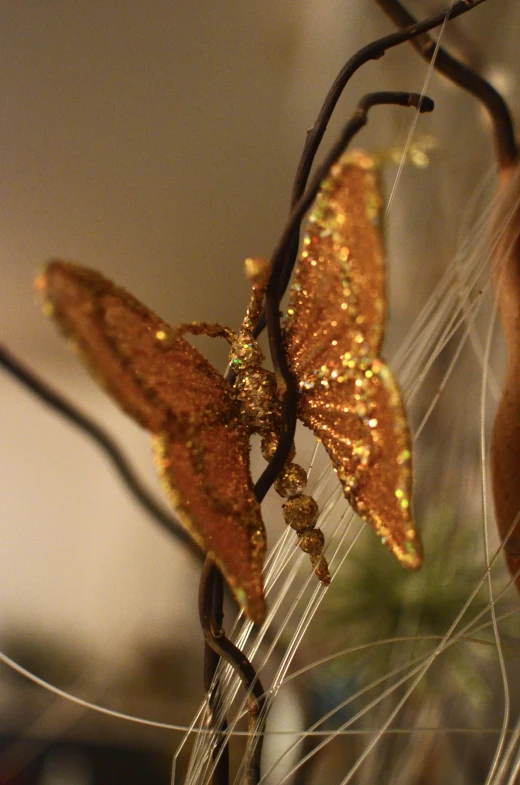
<point x="169" y="388"/>
<point x="333" y="332"/>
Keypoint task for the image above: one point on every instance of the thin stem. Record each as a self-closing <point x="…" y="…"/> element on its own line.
<point x="70" y="412"/>
<point x="463" y="76"/>
<point x="211" y="595"/>
<point x="210" y="614"/>
<point x="373" y="51"/>
<point x="216" y="645"/>
<point x="357" y="121"/>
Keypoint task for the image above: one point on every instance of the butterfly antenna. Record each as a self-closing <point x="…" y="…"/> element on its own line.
<point x="373" y="51"/>
<point x="464" y="77"/>
<point x="357" y="121"/>
<point x="68" y="411"/>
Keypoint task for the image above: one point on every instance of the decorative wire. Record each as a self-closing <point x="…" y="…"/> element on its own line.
<point x="211" y="594"/>
<point x="287" y="246"/>
<point x="69" y="411"/>
<point x="373" y="51"/>
<point x="462" y="76"/>
<point x="272" y="298"/>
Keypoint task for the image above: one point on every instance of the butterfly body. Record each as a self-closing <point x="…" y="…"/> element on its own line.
<point x="202" y="424"/>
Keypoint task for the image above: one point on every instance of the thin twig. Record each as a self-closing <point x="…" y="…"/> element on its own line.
<point x="211" y="594"/>
<point x="70" y="412"/>
<point x="216" y="639"/>
<point x="463" y="76"/>
<point x="373" y="51"/>
<point x="357" y="121"/>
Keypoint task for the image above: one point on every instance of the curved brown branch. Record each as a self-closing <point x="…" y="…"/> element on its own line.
<point x="210" y="614"/>
<point x="357" y="121"/>
<point x="464" y="77"/>
<point x="70" y="412"/>
<point x="373" y="51"/>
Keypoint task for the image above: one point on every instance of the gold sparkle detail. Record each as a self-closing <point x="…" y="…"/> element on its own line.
<point x="333" y="334"/>
<point x="168" y="387"/>
<point x="202" y="425"/>
<point x="300" y="512"/>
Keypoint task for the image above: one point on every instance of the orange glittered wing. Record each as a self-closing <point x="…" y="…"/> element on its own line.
<point x="333" y="332"/>
<point x="169" y="388"/>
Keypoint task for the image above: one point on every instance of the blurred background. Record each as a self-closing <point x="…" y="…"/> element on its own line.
<point x="157" y="143"/>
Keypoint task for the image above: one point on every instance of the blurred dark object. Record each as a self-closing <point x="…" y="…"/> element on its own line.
<point x="83" y="764"/>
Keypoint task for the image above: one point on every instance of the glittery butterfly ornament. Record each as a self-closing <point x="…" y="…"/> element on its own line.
<point x="201" y="424"/>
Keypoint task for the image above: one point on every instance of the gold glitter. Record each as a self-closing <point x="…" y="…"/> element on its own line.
<point x="257" y="270"/>
<point x="312" y="541"/>
<point x="291" y="481"/>
<point x="301" y="512"/>
<point x="321" y="568"/>
<point x="347" y="394"/>
<point x="269" y="444"/>
<point x="202" y="425"/>
<point x="202" y="448"/>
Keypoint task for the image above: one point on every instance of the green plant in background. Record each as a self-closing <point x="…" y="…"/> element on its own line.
<point x="394" y="621"/>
